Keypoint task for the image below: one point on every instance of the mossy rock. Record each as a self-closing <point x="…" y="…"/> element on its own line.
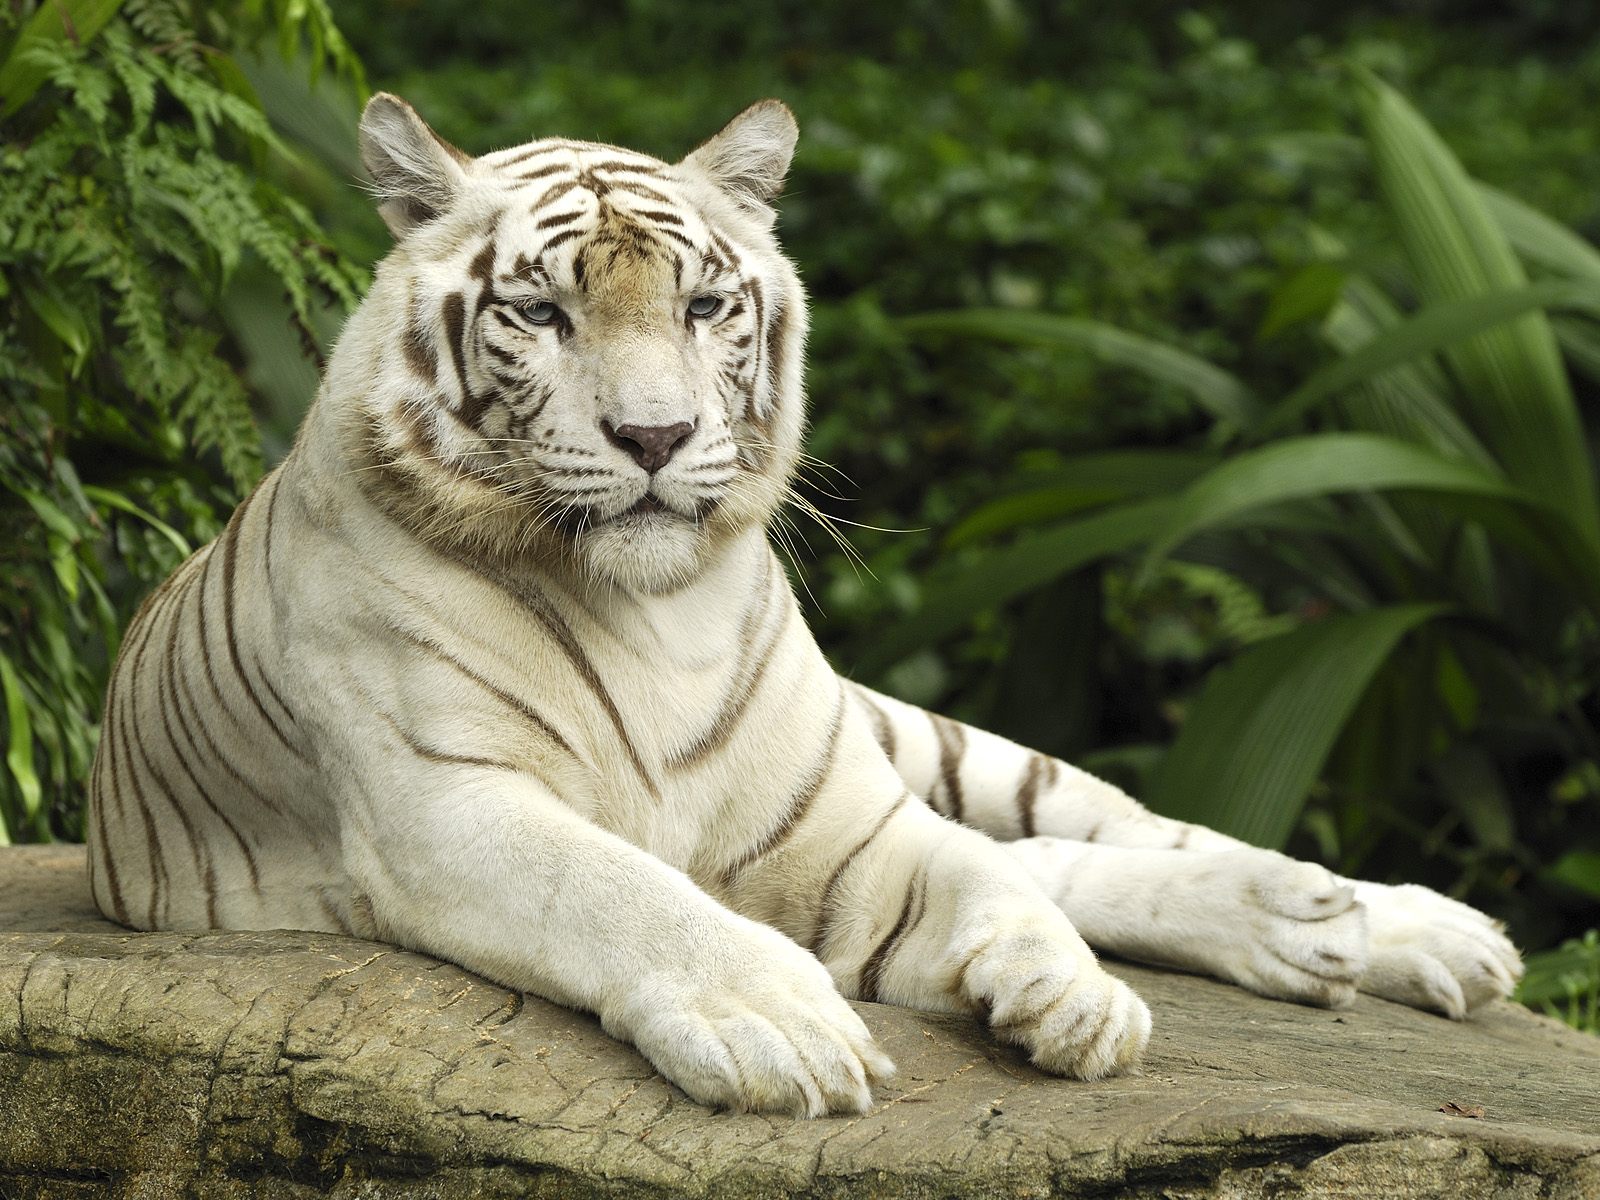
<point x="301" y="1064"/>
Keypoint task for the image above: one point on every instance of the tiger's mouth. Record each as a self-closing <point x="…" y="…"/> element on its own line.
<point x="648" y="509"/>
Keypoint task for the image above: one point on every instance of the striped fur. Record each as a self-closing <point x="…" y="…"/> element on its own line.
<point x="464" y="675"/>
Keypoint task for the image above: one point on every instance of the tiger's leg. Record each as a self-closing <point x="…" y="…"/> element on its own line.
<point x="518" y="887"/>
<point x="1423" y="949"/>
<point x="906" y="907"/>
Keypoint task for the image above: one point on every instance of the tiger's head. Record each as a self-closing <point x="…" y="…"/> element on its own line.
<point x="574" y="351"/>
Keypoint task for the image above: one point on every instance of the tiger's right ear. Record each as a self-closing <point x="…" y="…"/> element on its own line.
<point x="415" y="172"/>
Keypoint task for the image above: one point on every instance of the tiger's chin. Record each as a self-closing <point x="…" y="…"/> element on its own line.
<point x="644" y="551"/>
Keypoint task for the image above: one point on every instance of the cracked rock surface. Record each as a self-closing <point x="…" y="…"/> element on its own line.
<point x="299" y="1064"/>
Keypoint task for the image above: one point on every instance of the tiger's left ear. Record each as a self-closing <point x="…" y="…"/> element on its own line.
<point x="751" y="155"/>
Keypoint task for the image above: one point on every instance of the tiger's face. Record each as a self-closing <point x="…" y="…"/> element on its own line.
<point x="585" y="352"/>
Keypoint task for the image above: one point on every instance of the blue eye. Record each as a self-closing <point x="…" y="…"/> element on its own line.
<point x="540" y="312"/>
<point x="705" y="306"/>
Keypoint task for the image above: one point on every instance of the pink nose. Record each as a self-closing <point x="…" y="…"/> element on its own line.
<point x="652" y="446"/>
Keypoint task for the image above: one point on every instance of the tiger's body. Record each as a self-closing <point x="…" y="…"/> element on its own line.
<point x="499" y="665"/>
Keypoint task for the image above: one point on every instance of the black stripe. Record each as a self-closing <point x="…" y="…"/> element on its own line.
<point x="544" y="172"/>
<point x="442" y="757"/>
<point x="654" y="214"/>
<point x="559" y="219"/>
<point x="108" y="738"/>
<point x="116" y="718"/>
<point x="191" y="748"/>
<point x="872" y="969"/>
<point x="818" y="943"/>
<point x="559" y="239"/>
<point x="536" y="602"/>
<point x="777" y="352"/>
<point x="513" y="702"/>
<point x="213" y="752"/>
<point x="630" y="168"/>
<point x="680" y="238"/>
<point x="101" y="790"/>
<point x="481" y="267"/>
<point x="276" y="478"/>
<point x="230" y="556"/>
<point x="554" y="192"/>
<point x="759" y="304"/>
<point x="800" y="805"/>
<point x="203" y="867"/>
<point x="158" y="867"/>
<point x="502" y="356"/>
<point x="882" y="727"/>
<point x="747" y="679"/>
<point x="633" y="187"/>
<point x="454" y="312"/>
<point x="952" y="747"/>
<point x="1028" y="792"/>
<point x="416" y="346"/>
<point x="523" y="157"/>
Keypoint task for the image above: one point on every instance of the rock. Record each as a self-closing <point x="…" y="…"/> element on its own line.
<point x="301" y="1064"/>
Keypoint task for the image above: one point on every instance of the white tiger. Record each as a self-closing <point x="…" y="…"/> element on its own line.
<point x="499" y="665"/>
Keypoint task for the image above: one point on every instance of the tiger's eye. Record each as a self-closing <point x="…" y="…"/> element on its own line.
<point x="704" y="306"/>
<point x="542" y="313"/>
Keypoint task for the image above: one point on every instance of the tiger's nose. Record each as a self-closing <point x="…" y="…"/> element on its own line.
<point x="652" y="446"/>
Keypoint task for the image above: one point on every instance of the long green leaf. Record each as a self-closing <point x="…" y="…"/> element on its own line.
<point x="19" y="746"/>
<point x="21" y="75"/>
<point x="1082" y="481"/>
<point x="1440" y="326"/>
<point x="116" y="500"/>
<point x="1318" y="465"/>
<point x="954" y="597"/>
<point x="1514" y="391"/>
<point x="1261" y="731"/>
<point x="1413" y="401"/>
<point x="1580" y="342"/>
<point x="1223" y="395"/>
<point x="1540" y="240"/>
<point x="1031" y="507"/>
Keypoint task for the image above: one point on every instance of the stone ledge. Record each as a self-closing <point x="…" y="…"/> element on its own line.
<point x="296" y="1064"/>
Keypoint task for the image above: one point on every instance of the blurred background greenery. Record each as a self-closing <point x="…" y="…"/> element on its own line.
<point x="1210" y="391"/>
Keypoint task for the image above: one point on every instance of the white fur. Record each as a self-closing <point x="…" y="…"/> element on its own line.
<point x="1158" y="890"/>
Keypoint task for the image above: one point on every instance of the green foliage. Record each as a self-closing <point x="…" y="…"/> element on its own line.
<point x="1565" y="982"/>
<point x="135" y="168"/>
<point x="1425" y="503"/>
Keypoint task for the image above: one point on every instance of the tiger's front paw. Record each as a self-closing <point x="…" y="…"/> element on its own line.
<point x="1286" y="929"/>
<point x="1432" y="952"/>
<point x="757" y="1025"/>
<point x="1045" y="991"/>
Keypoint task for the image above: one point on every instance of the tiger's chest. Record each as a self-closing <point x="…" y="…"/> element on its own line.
<point x="710" y="699"/>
